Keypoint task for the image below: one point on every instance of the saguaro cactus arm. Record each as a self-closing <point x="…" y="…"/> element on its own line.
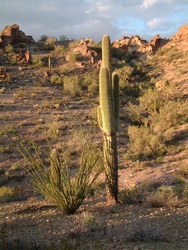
<point x="115" y="91"/>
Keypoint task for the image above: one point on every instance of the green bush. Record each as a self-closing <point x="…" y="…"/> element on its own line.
<point x="73" y="85"/>
<point x="130" y="196"/>
<point x="9" y="49"/>
<point x="39" y="61"/>
<point x="154" y="120"/>
<point x="91" y="81"/>
<point x="144" y="143"/>
<point x="56" y="79"/>
<point x="134" y="114"/>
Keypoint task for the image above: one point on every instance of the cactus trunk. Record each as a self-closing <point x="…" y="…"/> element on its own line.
<point x="108" y="117"/>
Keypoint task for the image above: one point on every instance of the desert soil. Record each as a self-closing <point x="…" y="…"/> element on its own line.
<point x="36" y="111"/>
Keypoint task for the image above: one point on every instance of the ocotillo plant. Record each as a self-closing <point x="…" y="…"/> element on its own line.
<point x="108" y="118"/>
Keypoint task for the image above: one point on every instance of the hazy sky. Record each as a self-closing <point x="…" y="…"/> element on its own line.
<point x="93" y="18"/>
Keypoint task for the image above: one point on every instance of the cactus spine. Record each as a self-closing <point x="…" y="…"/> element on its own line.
<point x="108" y="118"/>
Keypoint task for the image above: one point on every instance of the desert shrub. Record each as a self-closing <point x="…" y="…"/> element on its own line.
<point x="124" y="74"/>
<point x="9" y="49"/>
<point x="74" y="57"/>
<point x="130" y="195"/>
<point x="58" y="50"/>
<point x="185" y="194"/>
<point x="73" y="85"/>
<point x="45" y="47"/>
<point x="180" y="183"/>
<point x="39" y="61"/>
<point x="118" y="53"/>
<point x="90" y="222"/>
<point x="130" y="80"/>
<point x="173" y="54"/>
<point x="73" y="44"/>
<point x="8" y="194"/>
<point x="66" y="68"/>
<point x="144" y="143"/>
<point x="151" y="100"/>
<point x="134" y="113"/>
<point x="156" y="118"/>
<point x="91" y="81"/>
<point x="56" y="79"/>
<point x="138" y="193"/>
<point x="51" y="41"/>
<point x="164" y="196"/>
<point x="65" y="186"/>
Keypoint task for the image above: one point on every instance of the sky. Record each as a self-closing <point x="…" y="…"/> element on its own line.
<point x="78" y="19"/>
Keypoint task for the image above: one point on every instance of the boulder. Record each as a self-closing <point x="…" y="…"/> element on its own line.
<point x="24" y="56"/>
<point x="12" y="34"/>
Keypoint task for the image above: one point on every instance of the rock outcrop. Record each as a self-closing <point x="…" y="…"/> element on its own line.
<point x="142" y="47"/>
<point x="128" y="44"/>
<point x="84" y="50"/>
<point x="182" y="32"/>
<point x="12" y="34"/>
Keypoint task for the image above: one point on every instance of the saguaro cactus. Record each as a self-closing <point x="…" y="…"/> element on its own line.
<point x="108" y="118"/>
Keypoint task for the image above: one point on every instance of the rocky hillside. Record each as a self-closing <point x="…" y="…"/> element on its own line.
<point x="49" y="94"/>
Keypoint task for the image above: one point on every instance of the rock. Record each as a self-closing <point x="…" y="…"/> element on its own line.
<point x="24" y="56"/>
<point x="84" y="50"/>
<point x="182" y="32"/>
<point x="3" y="74"/>
<point x="12" y="34"/>
<point x="161" y="84"/>
<point x="128" y="44"/>
<point x="157" y="42"/>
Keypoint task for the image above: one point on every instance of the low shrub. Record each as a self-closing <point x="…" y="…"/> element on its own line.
<point x="164" y="196"/>
<point x="144" y="143"/>
<point x="155" y="121"/>
<point x="56" y="79"/>
<point x="73" y="85"/>
<point x="130" y="196"/>
<point x="8" y="194"/>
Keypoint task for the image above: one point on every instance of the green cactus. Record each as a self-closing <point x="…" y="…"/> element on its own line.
<point x="108" y="119"/>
